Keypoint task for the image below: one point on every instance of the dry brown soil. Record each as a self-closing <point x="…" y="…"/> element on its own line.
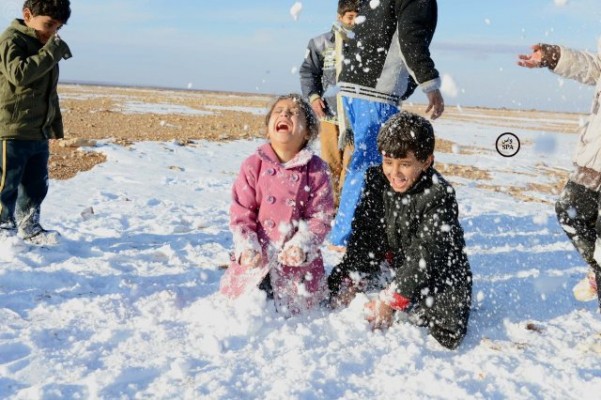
<point x="123" y="115"/>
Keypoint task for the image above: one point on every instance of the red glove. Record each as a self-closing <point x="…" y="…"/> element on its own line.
<point x="394" y="300"/>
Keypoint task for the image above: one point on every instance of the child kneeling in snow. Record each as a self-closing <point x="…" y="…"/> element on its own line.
<point x="408" y="216"/>
<point x="281" y="211"/>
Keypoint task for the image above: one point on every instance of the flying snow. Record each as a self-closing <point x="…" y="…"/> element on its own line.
<point x="296" y="9"/>
<point x="448" y="86"/>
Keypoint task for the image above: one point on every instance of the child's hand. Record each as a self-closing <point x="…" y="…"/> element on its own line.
<point x="251" y="259"/>
<point x="319" y="106"/>
<point x="379" y="314"/>
<point x="344" y="297"/>
<point x="435" y="103"/>
<point x="293" y="256"/>
<point x="533" y="60"/>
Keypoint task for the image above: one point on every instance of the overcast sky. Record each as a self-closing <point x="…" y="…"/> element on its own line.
<point x="256" y="46"/>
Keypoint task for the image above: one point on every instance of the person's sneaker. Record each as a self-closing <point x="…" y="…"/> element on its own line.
<point x="586" y="289"/>
<point x="39" y="236"/>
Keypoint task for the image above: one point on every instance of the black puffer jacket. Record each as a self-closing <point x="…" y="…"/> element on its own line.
<point x="421" y="229"/>
<point x="389" y="45"/>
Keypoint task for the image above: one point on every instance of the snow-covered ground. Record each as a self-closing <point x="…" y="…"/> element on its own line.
<point x="126" y="305"/>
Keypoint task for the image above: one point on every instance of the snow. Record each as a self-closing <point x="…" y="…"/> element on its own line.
<point x="126" y="306"/>
<point x="448" y="86"/>
<point x="295" y="10"/>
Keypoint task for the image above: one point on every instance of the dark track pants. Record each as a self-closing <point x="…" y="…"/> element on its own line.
<point x="578" y="212"/>
<point x="23" y="181"/>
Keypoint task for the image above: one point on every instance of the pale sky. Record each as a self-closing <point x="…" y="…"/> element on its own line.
<point x="257" y="46"/>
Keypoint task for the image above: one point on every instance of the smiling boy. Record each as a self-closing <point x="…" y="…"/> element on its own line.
<point x="30" y="50"/>
<point x="408" y="215"/>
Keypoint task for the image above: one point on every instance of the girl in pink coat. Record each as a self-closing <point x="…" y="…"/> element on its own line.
<point x="282" y="208"/>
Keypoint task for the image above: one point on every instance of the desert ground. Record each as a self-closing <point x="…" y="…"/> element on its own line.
<point x="127" y="115"/>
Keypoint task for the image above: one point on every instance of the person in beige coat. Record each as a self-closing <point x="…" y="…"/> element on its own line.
<point x="580" y="201"/>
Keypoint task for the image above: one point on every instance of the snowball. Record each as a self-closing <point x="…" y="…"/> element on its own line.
<point x="560" y="3"/>
<point x="374" y="4"/>
<point x="295" y="10"/>
<point x="540" y="219"/>
<point x="545" y="144"/>
<point x="448" y="86"/>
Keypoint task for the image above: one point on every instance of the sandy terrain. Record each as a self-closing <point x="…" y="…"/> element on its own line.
<point x="127" y="115"/>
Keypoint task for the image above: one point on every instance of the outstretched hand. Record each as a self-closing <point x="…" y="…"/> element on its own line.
<point x="435" y="103"/>
<point x="533" y="60"/>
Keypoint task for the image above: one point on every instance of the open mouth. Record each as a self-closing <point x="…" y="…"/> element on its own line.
<point x="282" y="126"/>
<point x="398" y="182"/>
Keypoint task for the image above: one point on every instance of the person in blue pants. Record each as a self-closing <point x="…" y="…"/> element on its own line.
<point x="385" y="59"/>
<point x="365" y="118"/>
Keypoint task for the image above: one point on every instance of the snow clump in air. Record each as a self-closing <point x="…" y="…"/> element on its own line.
<point x="448" y="86"/>
<point x="296" y="9"/>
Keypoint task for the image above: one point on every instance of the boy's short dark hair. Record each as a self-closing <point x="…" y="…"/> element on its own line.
<point x="345" y="6"/>
<point x="59" y="10"/>
<point x="313" y="124"/>
<point x="406" y="132"/>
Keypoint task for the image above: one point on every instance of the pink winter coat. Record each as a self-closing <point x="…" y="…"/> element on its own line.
<point x="278" y="205"/>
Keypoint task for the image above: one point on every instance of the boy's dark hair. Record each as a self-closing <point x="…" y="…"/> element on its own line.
<point x="406" y="132"/>
<point x="312" y="120"/>
<point x="345" y="6"/>
<point x="59" y="10"/>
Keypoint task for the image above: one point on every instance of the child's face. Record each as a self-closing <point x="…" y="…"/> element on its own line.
<point x="287" y="128"/>
<point x="348" y="19"/>
<point x="402" y="173"/>
<point x="44" y="25"/>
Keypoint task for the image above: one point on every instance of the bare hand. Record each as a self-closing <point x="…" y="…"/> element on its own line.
<point x="435" y="103"/>
<point x="379" y="315"/>
<point x="293" y="256"/>
<point x="344" y="296"/>
<point x="319" y="107"/>
<point x="533" y="60"/>
<point x="251" y="259"/>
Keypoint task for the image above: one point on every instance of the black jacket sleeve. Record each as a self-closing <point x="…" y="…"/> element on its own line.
<point x="417" y="21"/>
<point x="311" y="70"/>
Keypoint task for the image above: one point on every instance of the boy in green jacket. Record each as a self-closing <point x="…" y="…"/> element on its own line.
<point x="30" y="50"/>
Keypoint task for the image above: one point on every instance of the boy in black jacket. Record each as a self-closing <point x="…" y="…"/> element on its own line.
<point x="408" y="215"/>
<point x="387" y="55"/>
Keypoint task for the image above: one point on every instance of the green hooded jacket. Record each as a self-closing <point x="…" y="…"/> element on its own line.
<point x="29" y="107"/>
